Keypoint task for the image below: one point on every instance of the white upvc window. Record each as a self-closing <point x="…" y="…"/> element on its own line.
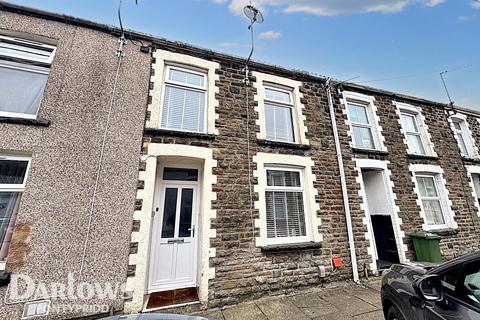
<point x="184" y="100"/>
<point x="432" y="197"/>
<point x="285" y="205"/>
<point x="412" y="133"/>
<point x="462" y="135"/>
<point x="13" y="176"/>
<point x="279" y="114"/>
<point x="361" y="124"/>
<point x="416" y="133"/>
<point x="364" y="127"/>
<point x="24" y="69"/>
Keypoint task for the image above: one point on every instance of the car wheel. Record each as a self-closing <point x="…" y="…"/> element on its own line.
<point x="394" y="314"/>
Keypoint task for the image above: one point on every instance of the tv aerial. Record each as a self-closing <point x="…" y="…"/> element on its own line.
<point x="255" y="16"/>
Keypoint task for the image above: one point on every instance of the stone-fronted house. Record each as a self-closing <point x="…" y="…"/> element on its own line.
<point x="238" y="188"/>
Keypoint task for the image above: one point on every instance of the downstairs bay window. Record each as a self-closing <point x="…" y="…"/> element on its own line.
<point x="13" y="173"/>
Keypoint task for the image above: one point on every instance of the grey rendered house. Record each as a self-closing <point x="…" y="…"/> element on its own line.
<point x="232" y="192"/>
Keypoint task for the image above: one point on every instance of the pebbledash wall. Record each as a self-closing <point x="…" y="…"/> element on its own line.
<point x="235" y="261"/>
<point x="64" y="144"/>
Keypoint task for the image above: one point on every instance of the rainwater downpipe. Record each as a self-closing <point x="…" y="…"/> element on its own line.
<point x="343" y="181"/>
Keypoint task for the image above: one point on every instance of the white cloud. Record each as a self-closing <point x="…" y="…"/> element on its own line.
<point x="475" y="4"/>
<point x="333" y="7"/>
<point x="464" y="18"/>
<point x="270" y="35"/>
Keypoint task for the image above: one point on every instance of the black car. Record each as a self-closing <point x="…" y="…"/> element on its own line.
<point x="422" y="291"/>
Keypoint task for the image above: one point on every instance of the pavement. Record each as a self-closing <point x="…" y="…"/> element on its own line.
<point x="347" y="301"/>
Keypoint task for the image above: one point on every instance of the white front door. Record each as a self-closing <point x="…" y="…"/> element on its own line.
<point x="173" y="250"/>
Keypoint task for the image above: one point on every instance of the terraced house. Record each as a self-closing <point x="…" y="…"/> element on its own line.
<point x="245" y="186"/>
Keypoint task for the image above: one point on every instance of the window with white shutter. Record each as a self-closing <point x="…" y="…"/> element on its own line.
<point x="184" y="100"/>
<point x="279" y="115"/>
<point x="13" y="174"/>
<point x="24" y="69"/>
<point x="285" y="205"/>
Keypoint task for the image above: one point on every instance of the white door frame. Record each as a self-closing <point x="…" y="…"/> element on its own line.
<point x="161" y="186"/>
<point x="381" y="166"/>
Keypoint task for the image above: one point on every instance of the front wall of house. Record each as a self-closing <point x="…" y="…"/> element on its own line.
<point x="238" y="267"/>
<point x="55" y="207"/>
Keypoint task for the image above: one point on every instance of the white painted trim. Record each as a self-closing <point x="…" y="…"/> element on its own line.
<point x="394" y="209"/>
<point x="299" y="127"/>
<point x="312" y="208"/>
<point x="422" y="127"/>
<point x="472" y="149"/>
<point x="138" y="283"/>
<point x="449" y="214"/>
<point x="473" y="170"/>
<point x="369" y="102"/>
<point x="164" y="58"/>
<point x="20" y="186"/>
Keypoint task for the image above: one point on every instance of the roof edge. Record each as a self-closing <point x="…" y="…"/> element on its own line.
<point x="176" y="45"/>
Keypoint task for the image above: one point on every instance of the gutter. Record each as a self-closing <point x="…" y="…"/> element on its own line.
<point x="343" y="181"/>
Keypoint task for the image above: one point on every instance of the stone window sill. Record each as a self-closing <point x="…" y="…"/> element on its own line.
<point x="421" y="156"/>
<point x="175" y="133"/>
<point x="471" y="159"/>
<point x="445" y="232"/>
<point x="291" y="247"/>
<point x="370" y="151"/>
<point x="25" y="121"/>
<point x="279" y="144"/>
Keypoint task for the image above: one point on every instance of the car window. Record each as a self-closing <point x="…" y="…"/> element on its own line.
<point x="470" y="289"/>
<point x="449" y="280"/>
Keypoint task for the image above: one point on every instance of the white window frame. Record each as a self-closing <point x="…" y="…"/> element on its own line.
<point x="18" y="65"/>
<point x="282" y="104"/>
<point x="350" y="97"/>
<point x="19" y="187"/>
<point x="461" y="119"/>
<point x="403" y="108"/>
<point x="186" y="86"/>
<point x="471" y="171"/>
<point x="420" y="170"/>
<point x="301" y="172"/>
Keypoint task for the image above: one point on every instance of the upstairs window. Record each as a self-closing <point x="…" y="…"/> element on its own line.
<point x="24" y="69"/>
<point x="463" y="136"/>
<point x="362" y="127"/>
<point x="415" y="130"/>
<point x="279" y="115"/>
<point x="13" y="174"/>
<point x="285" y="206"/>
<point x="412" y="133"/>
<point x="184" y="100"/>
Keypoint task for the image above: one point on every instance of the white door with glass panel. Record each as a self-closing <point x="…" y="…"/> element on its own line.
<point x="173" y="250"/>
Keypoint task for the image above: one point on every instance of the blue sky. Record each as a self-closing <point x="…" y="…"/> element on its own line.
<point x="398" y="45"/>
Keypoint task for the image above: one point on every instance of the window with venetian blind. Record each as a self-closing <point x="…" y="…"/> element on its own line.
<point x="24" y="69"/>
<point x="279" y="114"/>
<point x="13" y="173"/>
<point x="184" y="100"/>
<point x="285" y="205"/>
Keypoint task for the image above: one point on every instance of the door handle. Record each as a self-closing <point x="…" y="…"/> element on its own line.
<point x="192" y="229"/>
<point x="176" y="241"/>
